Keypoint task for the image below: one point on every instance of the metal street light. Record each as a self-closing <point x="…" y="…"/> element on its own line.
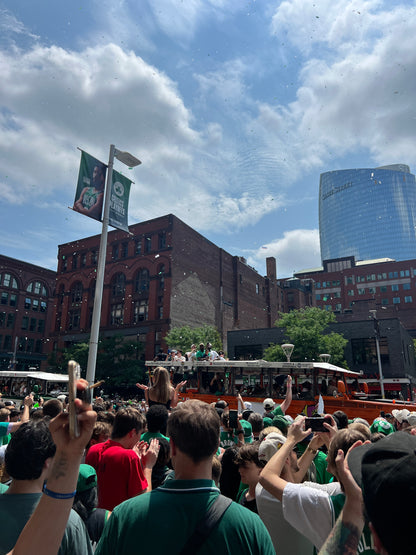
<point x="130" y="161"/>
<point x="373" y="313"/>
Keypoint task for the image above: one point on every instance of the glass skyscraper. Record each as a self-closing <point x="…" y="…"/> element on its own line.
<point x="368" y="213"/>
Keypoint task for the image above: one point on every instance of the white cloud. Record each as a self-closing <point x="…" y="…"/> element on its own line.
<point x="296" y="250"/>
<point x="54" y="100"/>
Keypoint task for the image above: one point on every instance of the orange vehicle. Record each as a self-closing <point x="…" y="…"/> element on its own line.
<point x="256" y="380"/>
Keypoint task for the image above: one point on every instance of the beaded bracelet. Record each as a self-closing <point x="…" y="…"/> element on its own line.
<point x="56" y="495"/>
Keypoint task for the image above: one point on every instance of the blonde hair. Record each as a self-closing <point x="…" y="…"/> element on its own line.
<point x="161" y="390"/>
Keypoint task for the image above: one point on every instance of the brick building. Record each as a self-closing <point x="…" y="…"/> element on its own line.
<point x="26" y="298"/>
<point x="351" y="288"/>
<point x="163" y="274"/>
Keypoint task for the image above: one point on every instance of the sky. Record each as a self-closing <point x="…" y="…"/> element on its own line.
<point x="235" y="108"/>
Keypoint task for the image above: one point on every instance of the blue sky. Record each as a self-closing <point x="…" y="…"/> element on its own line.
<point x="234" y="108"/>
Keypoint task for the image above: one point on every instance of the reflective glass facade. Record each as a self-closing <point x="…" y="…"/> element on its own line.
<point x="368" y="213"/>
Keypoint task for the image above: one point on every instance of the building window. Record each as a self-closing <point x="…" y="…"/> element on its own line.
<point x="76" y="292"/>
<point x="406" y="286"/>
<point x="361" y="291"/>
<point x="4" y="298"/>
<point x="148" y="243"/>
<point x="32" y="326"/>
<point x="64" y="265"/>
<point x="117" y="314"/>
<point x="161" y="274"/>
<point x="30" y="344"/>
<point x="140" y="311"/>
<point x="138" y="245"/>
<point x="350" y="279"/>
<point x="124" y="250"/>
<point x="383" y="288"/>
<point x="404" y="273"/>
<point x="83" y="260"/>
<point x="41" y="326"/>
<point x="94" y="257"/>
<point x="360" y="279"/>
<point x="13" y="300"/>
<point x="393" y="275"/>
<point x="7" y="342"/>
<point x="142" y="281"/>
<point x="9" y="281"/>
<point x="408" y="299"/>
<point x="318" y="296"/>
<point x="338" y="307"/>
<point x="118" y="285"/>
<point x="35" y="305"/>
<point x="37" y="288"/>
<point x="28" y="303"/>
<point x="10" y="320"/>
<point x="74" y="317"/>
<point x="160" y="312"/>
<point x="384" y="301"/>
<point x="74" y="261"/>
<point x="115" y="252"/>
<point x="38" y="346"/>
<point x="318" y="285"/>
<point x="394" y="287"/>
<point x="25" y="323"/>
<point x="364" y="351"/>
<point x="43" y="306"/>
<point x="396" y="300"/>
<point x="328" y="307"/>
<point x="162" y="240"/>
<point x="337" y="294"/>
<point x="257" y="289"/>
<point x="350" y="292"/>
<point x="372" y="290"/>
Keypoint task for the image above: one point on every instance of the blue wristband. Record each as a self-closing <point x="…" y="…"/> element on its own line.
<point x="56" y="495"/>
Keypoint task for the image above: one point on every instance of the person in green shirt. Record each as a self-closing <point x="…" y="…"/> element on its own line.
<point x="180" y="504"/>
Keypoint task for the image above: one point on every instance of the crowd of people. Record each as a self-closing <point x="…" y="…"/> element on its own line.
<point x="161" y="476"/>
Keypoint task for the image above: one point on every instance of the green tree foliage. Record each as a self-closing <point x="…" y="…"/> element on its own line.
<point x="183" y="337"/>
<point x="305" y="329"/>
<point x="117" y="360"/>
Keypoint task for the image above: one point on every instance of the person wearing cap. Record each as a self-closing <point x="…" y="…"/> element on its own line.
<point x="7" y="427"/>
<point x="85" y="503"/>
<point x="381" y="426"/>
<point x="309" y="509"/>
<point x="270" y="408"/>
<point x="285" y="538"/>
<point x="400" y="418"/>
<point x="377" y="475"/>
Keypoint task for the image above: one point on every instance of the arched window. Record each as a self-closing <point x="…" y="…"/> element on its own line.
<point x="37" y="288"/>
<point x="76" y="292"/>
<point x="118" y="285"/>
<point x="142" y="281"/>
<point x="9" y="281"/>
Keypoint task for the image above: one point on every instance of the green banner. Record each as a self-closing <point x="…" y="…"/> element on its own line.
<point x="89" y="196"/>
<point x="119" y="201"/>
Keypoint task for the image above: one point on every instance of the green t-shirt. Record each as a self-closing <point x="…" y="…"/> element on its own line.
<point x="366" y="544"/>
<point x="228" y="439"/>
<point x="135" y="525"/>
<point x="148" y="436"/>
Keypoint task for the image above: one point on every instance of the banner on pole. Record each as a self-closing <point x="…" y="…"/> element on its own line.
<point x="119" y="201"/>
<point x="89" y="196"/>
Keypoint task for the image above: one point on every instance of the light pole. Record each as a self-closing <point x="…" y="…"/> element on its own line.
<point x="377" y="336"/>
<point x="131" y="161"/>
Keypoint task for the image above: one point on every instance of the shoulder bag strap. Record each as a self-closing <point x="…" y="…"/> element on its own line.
<point x="206" y="525"/>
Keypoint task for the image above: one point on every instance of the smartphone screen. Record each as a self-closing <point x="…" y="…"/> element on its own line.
<point x="233" y="419"/>
<point x="73" y="375"/>
<point x="316" y="424"/>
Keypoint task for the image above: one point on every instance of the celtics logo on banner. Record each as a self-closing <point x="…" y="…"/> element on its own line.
<point x="119" y="201"/>
<point x="89" y="196"/>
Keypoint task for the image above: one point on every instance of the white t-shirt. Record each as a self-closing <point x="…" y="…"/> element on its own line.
<point x="286" y="540"/>
<point x="309" y="510"/>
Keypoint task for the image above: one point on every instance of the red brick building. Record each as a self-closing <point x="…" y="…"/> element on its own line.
<point x="350" y="288"/>
<point x="26" y="307"/>
<point x="163" y="274"/>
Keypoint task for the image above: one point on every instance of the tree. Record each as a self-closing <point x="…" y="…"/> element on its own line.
<point x="117" y="360"/>
<point x="305" y="329"/>
<point x="183" y="337"/>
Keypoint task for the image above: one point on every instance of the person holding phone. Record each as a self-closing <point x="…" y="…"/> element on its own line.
<point x="232" y="432"/>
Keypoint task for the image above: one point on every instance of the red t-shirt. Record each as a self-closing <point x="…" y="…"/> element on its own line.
<point x="119" y="473"/>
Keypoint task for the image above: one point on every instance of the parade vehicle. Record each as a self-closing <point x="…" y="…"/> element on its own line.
<point x="256" y="380"/>
<point x="18" y="384"/>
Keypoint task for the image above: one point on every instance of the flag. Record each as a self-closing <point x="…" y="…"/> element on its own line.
<point x="119" y="201"/>
<point x="321" y="409"/>
<point x="89" y="196"/>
